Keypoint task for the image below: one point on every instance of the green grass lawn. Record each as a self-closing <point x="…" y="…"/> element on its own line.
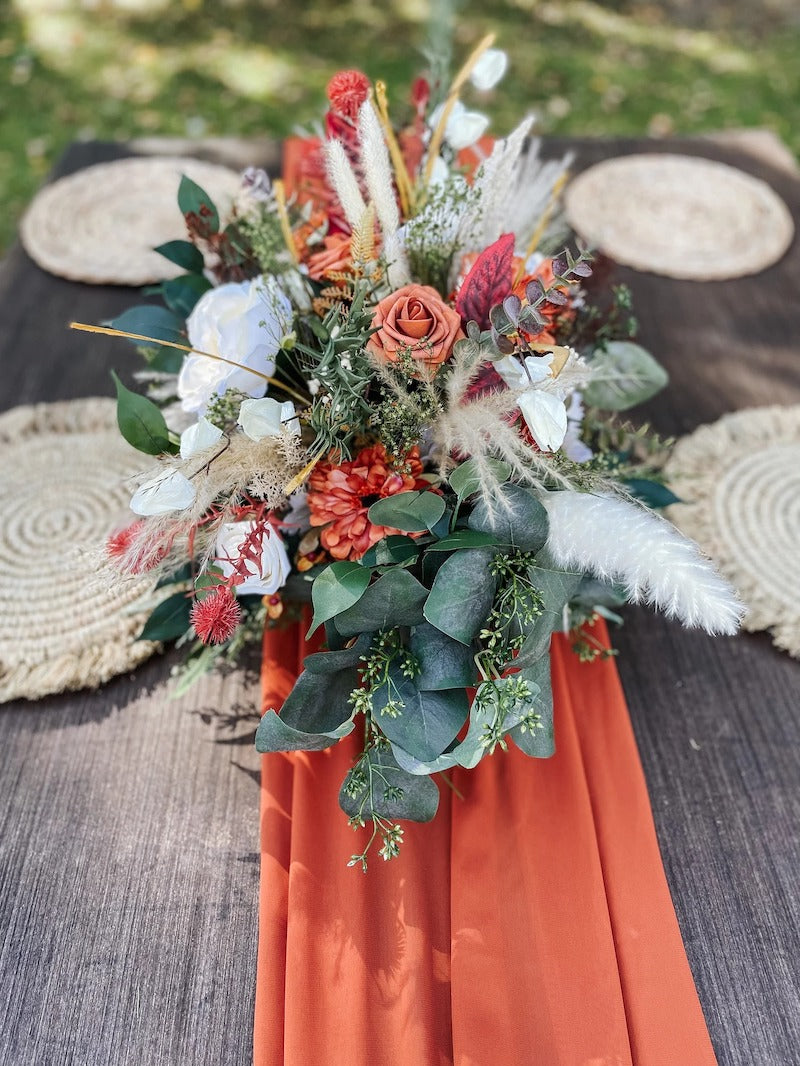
<point x="124" y="68"/>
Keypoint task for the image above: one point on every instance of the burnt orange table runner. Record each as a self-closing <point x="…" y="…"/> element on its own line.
<point x="529" y="924"/>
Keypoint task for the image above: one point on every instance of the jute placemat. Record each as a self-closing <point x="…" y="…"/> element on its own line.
<point x="100" y="225"/>
<point x="739" y="480"/>
<point x="680" y="216"/>
<point x="62" y="491"/>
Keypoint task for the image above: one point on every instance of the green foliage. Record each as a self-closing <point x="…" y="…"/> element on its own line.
<point x="653" y="493"/>
<point x="466" y="480"/>
<point x="194" y="200"/>
<point x="337" y="588"/>
<point x="181" y="294"/>
<point x="630" y="375"/>
<point x="152" y="321"/>
<point x="462" y="594"/>
<point x="519" y="519"/>
<point x="169" y="620"/>
<point x="184" y="254"/>
<point x="395" y="599"/>
<point x="410" y="511"/>
<point x="140" y="422"/>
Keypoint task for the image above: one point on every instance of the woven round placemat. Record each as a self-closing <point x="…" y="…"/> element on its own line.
<point x="62" y="491"/>
<point x="680" y="216"/>
<point x="739" y="480"/>
<point x="100" y="225"/>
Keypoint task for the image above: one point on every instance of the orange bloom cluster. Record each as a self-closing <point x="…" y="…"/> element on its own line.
<point x="339" y="497"/>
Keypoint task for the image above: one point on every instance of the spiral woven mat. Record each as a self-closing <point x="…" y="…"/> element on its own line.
<point x="100" y="225"/>
<point x="680" y="216"/>
<point x="62" y="491"/>
<point x="740" y="480"/>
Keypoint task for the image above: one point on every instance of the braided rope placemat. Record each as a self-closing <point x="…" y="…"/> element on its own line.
<point x="680" y="216"/>
<point x="100" y="225"/>
<point x="740" y="482"/>
<point x="62" y="491"/>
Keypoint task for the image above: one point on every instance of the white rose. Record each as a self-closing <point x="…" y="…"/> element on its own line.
<point x="267" y="418"/>
<point x="169" y="490"/>
<point x="273" y="570"/>
<point x="242" y="321"/>
<point x="199" y="437"/>
<point x="489" y="69"/>
<point x="546" y="417"/>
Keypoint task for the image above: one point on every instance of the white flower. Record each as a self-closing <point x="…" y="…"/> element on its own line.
<point x="169" y="490"/>
<point x="517" y="375"/>
<point x="267" y="418"/>
<point x="269" y="574"/>
<point x="489" y="69"/>
<point x="244" y="322"/>
<point x="546" y="417"/>
<point x="440" y="172"/>
<point x="463" y="127"/>
<point x="199" y="437"/>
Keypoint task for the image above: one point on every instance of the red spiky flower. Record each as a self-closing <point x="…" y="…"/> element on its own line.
<point x="215" y="618"/>
<point x="347" y="91"/>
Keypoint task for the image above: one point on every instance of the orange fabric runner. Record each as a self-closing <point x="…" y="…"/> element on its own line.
<point x="529" y="924"/>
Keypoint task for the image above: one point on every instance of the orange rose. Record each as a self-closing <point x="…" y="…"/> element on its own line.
<point x="415" y="319"/>
<point x="334" y="258"/>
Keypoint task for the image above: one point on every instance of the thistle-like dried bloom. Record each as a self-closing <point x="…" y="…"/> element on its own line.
<point x="340" y="496"/>
<point x="347" y="91"/>
<point x="215" y="618"/>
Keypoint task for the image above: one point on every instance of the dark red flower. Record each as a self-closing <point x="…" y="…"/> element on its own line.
<point x="215" y="618"/>
<point x="347" y="91"/>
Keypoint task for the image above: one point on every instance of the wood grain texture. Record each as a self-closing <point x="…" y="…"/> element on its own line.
<point x="128" y="822"/>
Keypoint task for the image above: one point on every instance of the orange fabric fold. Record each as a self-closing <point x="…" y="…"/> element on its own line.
<point x="530" y="923"/>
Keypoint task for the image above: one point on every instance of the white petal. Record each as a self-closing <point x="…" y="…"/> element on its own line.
<point x="170" y="490"/>
<point x="546" y="417"/>
<point x="261" y="418"/>
<point x="199" y="438"/>
<point x="511" y="371"/>
<point x="289" y="420"/>
<point x="465" y="128"/>
<point x="489" y="69"/>
<point x="539" y="367"/>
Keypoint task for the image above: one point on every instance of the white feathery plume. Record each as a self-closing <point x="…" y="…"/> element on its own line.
<point x="622" y="542"/>
<point x="496" y="177"/>
<point x="343" y="182"/>
<point x="378" y="170"/>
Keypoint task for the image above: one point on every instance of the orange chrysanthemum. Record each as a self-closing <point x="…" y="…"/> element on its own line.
<point x="339" y="497"/>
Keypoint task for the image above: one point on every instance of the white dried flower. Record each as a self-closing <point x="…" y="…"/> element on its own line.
<point x="169" y="490"/>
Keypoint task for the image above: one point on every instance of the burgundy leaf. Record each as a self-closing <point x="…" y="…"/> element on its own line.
<point x="488" y="281"/>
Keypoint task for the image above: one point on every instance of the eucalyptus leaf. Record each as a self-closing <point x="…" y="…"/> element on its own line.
<point x="331" y="662"/>
<point x="388" y="791"/>
<point x="389" y="550"/>
<point x="140" y="422"/>
<point x="539" y="743"/>
<point x="165" y="360"/>
<point x="519" y="519"/>
<point x="444" y="663"/>
<point x="336" y="589"/>
<point x="631" y="376"/>
<point x="557" y="588"/>
<point x="320" y="702"/>
<point x="412" y="512"/>
<point x="395" y="599"/>
<point x="462" y="594"/>
<point x="428" y="721"/>
<point x="273" y="734"/>
<point x="463" y="538"/>
<point x="466" y="479"/>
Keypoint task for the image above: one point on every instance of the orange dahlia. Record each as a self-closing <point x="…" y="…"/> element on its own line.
<point x="339" y="497"/>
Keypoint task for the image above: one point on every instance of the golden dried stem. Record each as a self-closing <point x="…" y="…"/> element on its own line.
<point x="401" y="176"/>
<point x="542" y="224"/>
<point x="283" y="215"/>
<point x="110" y="332"/>
<point x="450" y="102"/>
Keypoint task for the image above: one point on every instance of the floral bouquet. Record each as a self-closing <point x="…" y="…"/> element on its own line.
<point x="376" y="388"/>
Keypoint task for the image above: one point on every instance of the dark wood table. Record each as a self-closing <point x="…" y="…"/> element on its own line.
<point x="129" y="821"/>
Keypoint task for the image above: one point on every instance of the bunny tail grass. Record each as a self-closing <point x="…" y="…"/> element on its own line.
<point x="622" y="542"/>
